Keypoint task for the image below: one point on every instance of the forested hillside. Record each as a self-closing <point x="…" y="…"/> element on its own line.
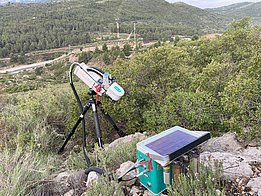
<point x="240" y="10"/>
<point x="2" y="2"/>
<point x="28" y="27"/>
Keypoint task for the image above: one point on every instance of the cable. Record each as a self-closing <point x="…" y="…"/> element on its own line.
<point x="87" y="159"/>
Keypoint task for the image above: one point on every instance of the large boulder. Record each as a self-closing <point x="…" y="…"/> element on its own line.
<point x="127" y="139"/>
<point x="234" y="164"/>
<point x="64" y="183"/>
<point x="237" y="164"/>
<point x="226" y="143"/>
<point x="76" y="180"/>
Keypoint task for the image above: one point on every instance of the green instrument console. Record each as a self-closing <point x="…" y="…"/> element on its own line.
<point x="157" y="154"/>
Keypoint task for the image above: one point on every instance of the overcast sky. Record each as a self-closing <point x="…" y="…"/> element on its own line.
<point x="211" y="3"/>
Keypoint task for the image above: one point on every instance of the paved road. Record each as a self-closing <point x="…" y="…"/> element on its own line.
<point x="31" y="66"/>
<point x="41" y="64"/>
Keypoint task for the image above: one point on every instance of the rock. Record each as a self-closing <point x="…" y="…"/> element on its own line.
<point x="234" y="164"/>
<point x="135" y="191"/>
<point x="243" y="169"/>
<point x="226" y="143"/>
<point x="127" y="139"/>
<point x="50" y="188"/>
<point x="218" y="192"/>
<point x="253" y="153"/>
<point x="76" y="179"/>
<point x="92" y="177"/>
<point x="148" y="193"/>
<point x="69" y="193"/>
<point x="253" y="143"/>
<point x="56" y="186"/>
<point x="255" y="185"/>
<point x="64" y="183"/>
<point x="62" y="177"/>
<point x="131" y="175"/>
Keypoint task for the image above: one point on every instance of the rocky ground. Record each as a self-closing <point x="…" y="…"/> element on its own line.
<point x="241" y="164"/>
<point x="241" y="170"/>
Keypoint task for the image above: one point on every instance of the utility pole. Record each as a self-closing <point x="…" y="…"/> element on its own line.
<point x="135" y="36"/>
<point x="118" y="30"/>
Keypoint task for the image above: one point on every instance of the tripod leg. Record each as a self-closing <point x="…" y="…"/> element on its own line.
<point x="97" y="124"/>
<point x="110" y="120"/>
<point x="87" y="106"/>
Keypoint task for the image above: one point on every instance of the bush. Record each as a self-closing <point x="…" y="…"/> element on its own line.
<point x="203" y="85"/>
<point x="207" y="182"/>
<point x="109" y="159"/>
<point x="21" y="169"/>
<point x="35" y="118"/>
<point x="105" y="187"/>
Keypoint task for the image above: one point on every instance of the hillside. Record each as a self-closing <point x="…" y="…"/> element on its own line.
<point x="211" y="85"/>
<point x="2" y="2"/>
<point x="240" y="10"/>
<point x="28" y="27"/>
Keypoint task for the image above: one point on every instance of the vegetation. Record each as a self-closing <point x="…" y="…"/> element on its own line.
<point x="240" y="10"/>
<point x="201" y="85"/>
<point x="105" y="187"/>
<point x="109" y="160"/>
<point x="53" y="73"/>
<point x="207" y="182"/>
<point x="21" y="170"/>
<point x="32" y="80"/>
<point x="29" y="27"/>
<point x="204" y="85"/>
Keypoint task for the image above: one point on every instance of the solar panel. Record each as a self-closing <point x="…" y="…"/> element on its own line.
<point x="172" y="142"/>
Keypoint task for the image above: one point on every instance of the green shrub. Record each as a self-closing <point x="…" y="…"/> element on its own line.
<point x="192" y="110"/>
<point x="35" y="118"/>
<point x="109" y="159"/>
<point x="207" y="182"/>
<point x="105" y="187"/>
<point x="202" y="85"/>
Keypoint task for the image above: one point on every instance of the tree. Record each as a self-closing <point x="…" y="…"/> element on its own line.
<point x="97" y="50"/>
<point x="3" y="52"/>
<point x="104" y="47"/>
<point x="106" y="58"/>
<point x="127" y="50"/>
<point x="177" y="39"/>
<point x="21" y="59"/>
<point x="85" y="57"/>
<point x="241" y="24"/>
<point x="13" y="58"/>
<point x="195" y="37"/>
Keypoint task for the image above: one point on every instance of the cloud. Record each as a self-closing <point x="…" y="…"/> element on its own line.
<point x="211" y="3"/>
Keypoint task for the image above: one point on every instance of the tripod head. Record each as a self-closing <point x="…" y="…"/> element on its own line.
<point x="92" y="93"/>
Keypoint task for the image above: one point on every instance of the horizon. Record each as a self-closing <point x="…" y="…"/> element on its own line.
<point x="211" y="3"/>
<point x="203" y="4"/>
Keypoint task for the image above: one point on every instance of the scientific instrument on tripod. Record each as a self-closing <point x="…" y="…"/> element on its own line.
<point x="100" y="83"/>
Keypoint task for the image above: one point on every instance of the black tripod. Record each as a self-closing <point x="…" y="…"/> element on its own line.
<point x="94" y="104"/>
